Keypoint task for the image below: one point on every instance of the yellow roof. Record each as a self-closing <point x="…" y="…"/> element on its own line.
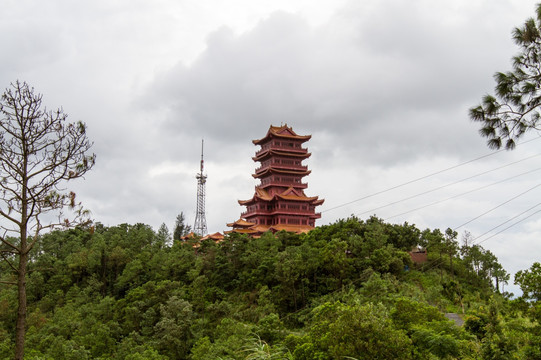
<point x="292" y="228"/>
<point x="241" y="223"/>
<point x="288" y="194"/>
<point x="216" y="237"/>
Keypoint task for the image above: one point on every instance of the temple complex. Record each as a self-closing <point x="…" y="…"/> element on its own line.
<point x="279" y="201"/>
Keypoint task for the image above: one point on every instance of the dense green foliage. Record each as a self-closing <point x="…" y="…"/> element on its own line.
<point x="343" y="291"/>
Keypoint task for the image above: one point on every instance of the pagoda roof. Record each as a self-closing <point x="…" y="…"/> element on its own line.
<point x="259" y="194"/>
<point x="283" y="131"/>
<point x="260" y="229"/>
<point x="289" y="194"/>
<point x="292" y="228"/>
<point x="216" y="237"/>
<point x="254" y="229"/>
<point x="270" y="152"/>
<point x="189" y="236"/>
<point x="241" y="223"/>
<point x="293" y="194"/>
<point x="272" y="169"/>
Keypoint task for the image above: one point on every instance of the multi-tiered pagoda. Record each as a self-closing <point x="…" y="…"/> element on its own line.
<point x="279" y="202"/>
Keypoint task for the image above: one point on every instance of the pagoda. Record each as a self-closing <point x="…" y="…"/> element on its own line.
<point x="279" y="202"/>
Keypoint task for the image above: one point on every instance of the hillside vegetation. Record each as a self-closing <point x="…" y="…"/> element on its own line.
<point x="343" y="291"/>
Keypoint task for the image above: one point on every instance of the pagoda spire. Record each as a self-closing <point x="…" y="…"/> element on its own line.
<point x="200" y="226"/>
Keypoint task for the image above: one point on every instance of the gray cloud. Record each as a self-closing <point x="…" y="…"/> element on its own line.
<point x="383" y="86"/>
<point x="391" y="83"/>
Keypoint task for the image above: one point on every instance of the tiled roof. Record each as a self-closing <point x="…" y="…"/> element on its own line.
<point x="270" y="152"/>
<point x="284" y="132"/>
<point x="260" y="229"/>
<point x="241" y="223"/>
<point x="189" y="236"/>
<point x="289" y="194"/>
<point x="292" y="228"/>
<point x="216" y="237"/>
<point x="281" y="171"/>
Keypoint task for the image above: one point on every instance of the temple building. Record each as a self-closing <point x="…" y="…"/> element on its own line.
<point x="279" y="201"/>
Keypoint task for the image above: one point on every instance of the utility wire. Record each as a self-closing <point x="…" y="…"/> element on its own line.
<point x="446" y="199"/>
<point x="423" y="177"/>
<point x="510" y="226"/>
<point x="449" y="184"/>
<point x="505" y="222"/>
<point x="494" y="208"/>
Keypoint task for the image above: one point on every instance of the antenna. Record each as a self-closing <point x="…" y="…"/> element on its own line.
<point x="200" y="226"/>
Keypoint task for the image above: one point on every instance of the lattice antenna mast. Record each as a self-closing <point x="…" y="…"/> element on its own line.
<point x="200" y="227"/>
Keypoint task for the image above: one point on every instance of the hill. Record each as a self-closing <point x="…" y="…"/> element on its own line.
<point x="346" y="290"/>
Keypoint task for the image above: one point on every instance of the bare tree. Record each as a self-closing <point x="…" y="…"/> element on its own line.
<point x="39" y="152"/>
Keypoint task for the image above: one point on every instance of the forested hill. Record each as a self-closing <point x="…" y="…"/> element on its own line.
<point x="346" y="290"/>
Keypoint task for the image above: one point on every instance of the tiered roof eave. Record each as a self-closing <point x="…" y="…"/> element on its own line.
<point x="271" y="169"/>
<point x="303" y="154"/>
<point x="282" y="132"/>
<point x="289" y="194"/>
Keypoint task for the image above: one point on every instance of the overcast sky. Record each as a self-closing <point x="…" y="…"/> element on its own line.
<point x="383" y="87"/>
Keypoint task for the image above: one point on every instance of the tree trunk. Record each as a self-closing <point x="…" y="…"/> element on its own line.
<point x="21" y="312"/>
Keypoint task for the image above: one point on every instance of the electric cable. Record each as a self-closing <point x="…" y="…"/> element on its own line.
<point x="424" y="177"/>
<point x="494" y="208"/>
<point x="510" y="226"/>
<point x="446" y="199"/>
<point x="505" y="222"/>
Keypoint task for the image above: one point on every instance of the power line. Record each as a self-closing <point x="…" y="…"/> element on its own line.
<point x="429" y="175"/>
<point x="505" y="222"/>
<point x="510" y="226"/>
<point x="449" y="198"/>
<point x="494" y="208"/>
<point x="449" y="184"/>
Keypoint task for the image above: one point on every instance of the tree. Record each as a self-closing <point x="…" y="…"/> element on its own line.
<point x="181" y="228"/>
<point x="39" y="152"/>
<point x="530" y="282"/>
<point x="163" y="237"/>
<point x="450" y="245"/>
<point x="514" y="110"/>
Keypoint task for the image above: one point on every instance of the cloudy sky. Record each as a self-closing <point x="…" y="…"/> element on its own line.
<point x="383" y="87"/>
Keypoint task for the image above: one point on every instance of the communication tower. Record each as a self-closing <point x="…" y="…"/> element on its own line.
<point x="200" y="226"/>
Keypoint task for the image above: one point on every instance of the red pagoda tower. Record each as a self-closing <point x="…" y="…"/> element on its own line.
<point x="279" y="202"/>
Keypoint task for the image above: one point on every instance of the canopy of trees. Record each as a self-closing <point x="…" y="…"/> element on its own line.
<point x="346" y="290"/>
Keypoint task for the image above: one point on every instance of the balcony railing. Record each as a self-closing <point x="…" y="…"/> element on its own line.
<point x="278" y="211"/>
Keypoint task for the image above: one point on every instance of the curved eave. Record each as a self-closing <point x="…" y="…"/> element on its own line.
<point x="292" y="228"/>
<point x="255" y="229"/>
<point x="312" y="199"/>
<point x="278" y="171"/>
<point x="260" y="194"/>
<point x="289" y="137"/>
<point x="242" y="231"/>
<point x="241" y="223"/>
<point x="278" y="131"/>
<point x="270" y="152"/>
<point x="216" y="237"/>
